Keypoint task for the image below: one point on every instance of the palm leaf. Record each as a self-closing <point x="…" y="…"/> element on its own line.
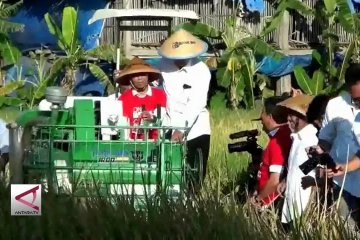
<point x="345" y="63"/>
<point x="223" y="76"/>
<point x="200" y="29"/>
<point x="10" y="101"/>
<point x="55" y="30"/>
<point x="57" y="68"/>
<point x="10" y="87"/>
<point x="330" y="6"/>
<point x="248" y="77"/>
<point x="303" y="79"/>
<point x="8" y="51"/>
<point x="7" y="10"/>
<point x="318" y="81"/>
<point x="346" y="18"/>
<point x="260" y="47"/>
<point x="98" y="72"/>
<point x="273" y="22"/>
<point x="6" y="26"/>
<point x="300" y="7"/>
<point x="69" y="28"/>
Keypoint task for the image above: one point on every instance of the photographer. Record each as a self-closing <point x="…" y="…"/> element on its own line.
<point x="275" y="154"/>
<point x="339" y="140"/>
<point x="315" y="115"/>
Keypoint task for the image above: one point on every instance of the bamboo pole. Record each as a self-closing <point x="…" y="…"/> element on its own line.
<point x="284" y="83"/>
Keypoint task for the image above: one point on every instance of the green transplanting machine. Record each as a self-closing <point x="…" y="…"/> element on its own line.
<point x="80" y="145"/>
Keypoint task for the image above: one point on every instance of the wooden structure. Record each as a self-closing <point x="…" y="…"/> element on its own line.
<point x="301" y="33"/>
<point x="296" y="34"/>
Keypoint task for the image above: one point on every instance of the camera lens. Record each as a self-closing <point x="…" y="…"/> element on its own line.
<point x="237" y="147"/>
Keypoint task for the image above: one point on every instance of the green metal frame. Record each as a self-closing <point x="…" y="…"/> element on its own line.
<point x="71" y="136"/>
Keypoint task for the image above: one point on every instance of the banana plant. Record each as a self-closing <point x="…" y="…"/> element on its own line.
<point x="8" y="52"/>
<point x="310" y="86"/>
<point x="350" y="22"/>
<point x="15" y="93"/>
<point x="236" y="67"/>
<point x="327" y="78"/>
<point x="68" y="41"/>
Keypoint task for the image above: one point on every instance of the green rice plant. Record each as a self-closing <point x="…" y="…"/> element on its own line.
<point x="212" y="214"/>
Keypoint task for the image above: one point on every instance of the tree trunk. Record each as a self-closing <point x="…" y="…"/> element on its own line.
<point x="233" y="96"/>
<point x="68" y="81"/>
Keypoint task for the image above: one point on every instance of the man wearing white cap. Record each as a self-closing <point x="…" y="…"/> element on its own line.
<point x="186" y="81"/>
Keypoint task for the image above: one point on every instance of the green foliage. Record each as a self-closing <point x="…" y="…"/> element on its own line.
<point x="236" y="67"/>
<point x="284" y="5"/>
<point x="28" y="97"/>
<point x="76" y="57"/>
<point x="8" y="52"/>
<point x="108" y="52"/>
<point x="328" y="14"/>
<point x="311" y="86"/>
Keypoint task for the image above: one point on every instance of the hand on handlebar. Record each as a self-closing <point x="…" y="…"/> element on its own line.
<point x="146" y="116"/>
<point x="177" y="136"/>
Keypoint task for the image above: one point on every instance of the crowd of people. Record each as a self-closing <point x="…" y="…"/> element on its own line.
<point x="299" y="127"/>
<point x="323" y="130"/>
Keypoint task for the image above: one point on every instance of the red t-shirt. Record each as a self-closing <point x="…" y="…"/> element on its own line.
<point x="275" y="156"/>
<point x="132" y="108"/>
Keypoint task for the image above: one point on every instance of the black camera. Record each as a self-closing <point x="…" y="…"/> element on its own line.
<point x="316" y="159"/>
<point x="250" y="145"/>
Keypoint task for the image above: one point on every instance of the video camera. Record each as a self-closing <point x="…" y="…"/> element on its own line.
<point x="316" y="159"/>
<point x="249" y="145"/>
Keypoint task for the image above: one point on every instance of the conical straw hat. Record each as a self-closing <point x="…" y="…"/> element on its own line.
<point x="182" y="45"/>
<point x="298" y="104"/>
<point x="137" y="65"/>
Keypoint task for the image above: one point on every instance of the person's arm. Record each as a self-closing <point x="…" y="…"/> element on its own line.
<point x="278" y="156"/>
<point x="270" y="186"/>
<point x="328" y="131"/>
<point x="341" y="169"/>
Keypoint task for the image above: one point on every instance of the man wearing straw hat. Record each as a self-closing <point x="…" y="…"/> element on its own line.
<point x="186" y="81"/>
<point x="304" y="135"/>
<point x="141" y="101"/>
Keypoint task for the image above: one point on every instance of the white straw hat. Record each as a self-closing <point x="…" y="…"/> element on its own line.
<point x="182" y="45"/>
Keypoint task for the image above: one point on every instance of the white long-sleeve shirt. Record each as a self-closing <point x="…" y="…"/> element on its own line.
<point x="187" y="92"/>
<point x="4" y="137"/>
<point x="296" y="198"/>
<point x="338" y="129"/>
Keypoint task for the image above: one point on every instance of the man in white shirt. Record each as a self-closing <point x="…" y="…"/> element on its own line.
<point x="4" y="147"/>
<point x="337" y="137"/>
<point x="303" y="136"/>
<point x="186" y="81"/>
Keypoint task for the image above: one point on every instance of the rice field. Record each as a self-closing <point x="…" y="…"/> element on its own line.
<point x="215" y="214"/>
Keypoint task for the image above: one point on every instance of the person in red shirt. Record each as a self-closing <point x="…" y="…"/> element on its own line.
<point x="140" y="103"/>
<point x="275" y="154"/>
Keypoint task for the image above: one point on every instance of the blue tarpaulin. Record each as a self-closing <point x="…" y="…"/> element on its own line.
<point x="255" y="5"/>
<point x="277" y="68"/>
<point x="36" y="35"/>
<point x="269" y="66"/>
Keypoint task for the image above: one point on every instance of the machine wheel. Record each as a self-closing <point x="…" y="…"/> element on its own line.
<point x="194" y="178"/>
